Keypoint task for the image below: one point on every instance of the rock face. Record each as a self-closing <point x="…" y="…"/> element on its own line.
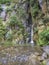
<point x="46" y="49"/>
<point x="40" y="3"/>
<point x="44" y="56"/>
<point x="3" y="13"/>
<point x="43" y="5"/>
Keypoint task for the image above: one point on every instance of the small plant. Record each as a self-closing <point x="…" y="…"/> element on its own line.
<point x="44" y="37"/>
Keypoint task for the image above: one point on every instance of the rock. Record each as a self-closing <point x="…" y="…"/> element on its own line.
<point x="44" y="56"/>
<point x="47" y="63"/>
<point x="40" y="3"/>
<point x="33" y="60"/>
<point x="12" y="59"/>
<point x="22" y="58"/>
<point x="8" y="55"/>
<point x="4" y="60"/>
<point x="37" y="54"/>
<point x="46" y="49"/>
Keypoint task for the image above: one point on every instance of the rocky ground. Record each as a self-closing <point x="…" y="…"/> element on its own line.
<point x="24" y="55"/>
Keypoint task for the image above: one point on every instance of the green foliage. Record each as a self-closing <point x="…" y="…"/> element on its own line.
<point x="4" y="1"/>
<point x="46" y="20"/>
<point x="3" y="30"/>
<point x="35" y="11"/>
<point x="7" y="43"/>
<point x="35" y="30"/>
<point x="44" y="37"/>
<point x="9" y="36"/>
<point x="32" y="2"/>
<point x="8" y="10"/>
<point x="14" y="21"/>
<point x="35" y="8"/>
<point x="43" y="62"/>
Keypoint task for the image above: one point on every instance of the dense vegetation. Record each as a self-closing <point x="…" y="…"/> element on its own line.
<point x="19" y="15"/>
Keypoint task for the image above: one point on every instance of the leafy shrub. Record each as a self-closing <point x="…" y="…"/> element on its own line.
<point x="44" y="37"/>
